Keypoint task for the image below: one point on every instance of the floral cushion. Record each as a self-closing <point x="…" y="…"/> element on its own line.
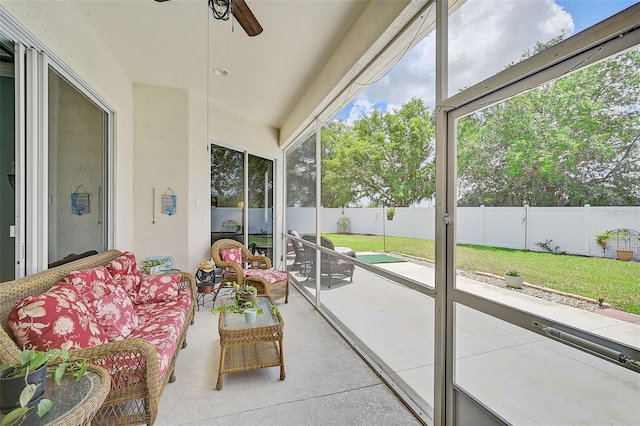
<point x="160" y="325"/>
<point x="115" y="313"/>
<point x="91" y="284"/>
<point x="125" y="272"/>
<point x="57" y="318"/>
<point x="269" y="275"/>
<point x="158" y="288"/>
<point x="231" y="255"/>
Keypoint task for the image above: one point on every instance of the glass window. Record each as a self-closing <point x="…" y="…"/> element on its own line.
<point x="77" y="171"/>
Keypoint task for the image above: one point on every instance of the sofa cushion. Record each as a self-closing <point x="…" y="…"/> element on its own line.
<point x="125" y="272"/>
<point x="115" y="313"/>
<point x="158" y="288"/>
<point x="161" y="324"/>
<point x="92" y="283"/>
<point x="57" y="318"/>
<point x="269" y="275"/>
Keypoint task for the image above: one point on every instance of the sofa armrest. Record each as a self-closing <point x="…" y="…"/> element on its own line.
<point x="131" y="363"/>
<point x="189" y="281"/>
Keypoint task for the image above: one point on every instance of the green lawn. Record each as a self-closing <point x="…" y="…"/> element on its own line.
<point x="617" y="282"/>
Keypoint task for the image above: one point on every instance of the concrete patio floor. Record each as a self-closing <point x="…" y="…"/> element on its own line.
<point x="524" y="377"/>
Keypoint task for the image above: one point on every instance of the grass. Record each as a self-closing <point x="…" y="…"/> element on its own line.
<point x="618" y="283"/>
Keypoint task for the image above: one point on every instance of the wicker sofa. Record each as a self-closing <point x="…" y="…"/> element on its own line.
<point x="137" y="379"/>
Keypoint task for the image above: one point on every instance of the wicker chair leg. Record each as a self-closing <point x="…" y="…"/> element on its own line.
<point x="172" y="378"/>
<point x="184" y="344"/>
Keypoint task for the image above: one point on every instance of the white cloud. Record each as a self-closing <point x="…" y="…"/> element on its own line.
<point x="485" y="36"/>
<point x="361" y="107"/>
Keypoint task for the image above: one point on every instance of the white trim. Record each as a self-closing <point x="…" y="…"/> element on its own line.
<point x="32" y="175"/>
<point x="20" y="152"/>
<point x="43" y="162"/>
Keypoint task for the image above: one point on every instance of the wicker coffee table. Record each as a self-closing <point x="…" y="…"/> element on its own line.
<point x="245" y="347"/>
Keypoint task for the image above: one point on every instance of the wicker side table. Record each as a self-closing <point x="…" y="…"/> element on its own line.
<point x="73" y="402"/>
<point x="245" y="347"/>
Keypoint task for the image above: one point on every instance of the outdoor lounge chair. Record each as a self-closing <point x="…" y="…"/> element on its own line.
<point x="330" y="265"/>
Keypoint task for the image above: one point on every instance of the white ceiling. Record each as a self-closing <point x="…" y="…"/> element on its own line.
<point x="165" y="44"/>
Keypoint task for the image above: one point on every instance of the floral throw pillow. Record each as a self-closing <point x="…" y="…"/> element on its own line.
<point x="93" y="283"/>
<point x="115" y="313"/>
<point x="57" y="318"/>
<point x="158" y="288"/>
<point x="231" y="255"/>
<point x="125" y="272"/>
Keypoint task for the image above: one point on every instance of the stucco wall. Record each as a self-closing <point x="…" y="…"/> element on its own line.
<point x="161" y="164"/>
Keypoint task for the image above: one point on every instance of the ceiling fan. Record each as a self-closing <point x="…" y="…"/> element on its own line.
<point x="221" y="9"/>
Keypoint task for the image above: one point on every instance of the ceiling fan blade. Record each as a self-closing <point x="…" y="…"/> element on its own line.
<point x="245" y="18"/>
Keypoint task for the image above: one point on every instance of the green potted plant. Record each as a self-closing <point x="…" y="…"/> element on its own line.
<point x="22" y="383"/>
<point x="513" y="279"/>
<point x="391" y="212"/>
<point x="245" y="302"/>
<point x="344" y="225"/>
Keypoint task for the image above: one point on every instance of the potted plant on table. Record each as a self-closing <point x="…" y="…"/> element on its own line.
<point x="245" y="302"/>
<point x="22" y="384"/>
<point x="513" y="279"/>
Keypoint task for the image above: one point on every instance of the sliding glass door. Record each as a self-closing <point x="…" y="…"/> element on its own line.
<point x="242" y="199"/>
<point x="77" y="170"/>
<point x="56" y="157"/>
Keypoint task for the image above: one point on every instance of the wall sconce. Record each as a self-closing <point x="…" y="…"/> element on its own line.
<point x="12" y="175"/>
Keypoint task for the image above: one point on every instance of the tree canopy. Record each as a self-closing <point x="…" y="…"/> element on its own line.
<point x="385" y="158"/>
<point x="571" y="142"/>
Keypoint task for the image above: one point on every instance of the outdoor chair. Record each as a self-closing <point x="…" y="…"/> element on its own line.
<point x="300" y="261"/>
<point x="330" y="265"/>
<point x="239" y="265"/>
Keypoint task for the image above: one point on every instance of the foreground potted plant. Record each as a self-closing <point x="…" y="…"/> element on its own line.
<point x="22" y="384"/>
<point x="513" y="279"/>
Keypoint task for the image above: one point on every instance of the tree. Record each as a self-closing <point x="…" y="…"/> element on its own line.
<point x="301" y="174"/>
<point x="567" y="143"/>
<point x="387" y="158"/>
<point x="226" y="176"/>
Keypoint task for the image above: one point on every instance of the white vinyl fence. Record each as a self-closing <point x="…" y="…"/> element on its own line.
<point x="571" y="229"/>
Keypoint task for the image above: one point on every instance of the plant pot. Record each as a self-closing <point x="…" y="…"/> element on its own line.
<point x="513" y="282"/>
<point x="390" y="217"/>
<point x="11" y="387"/>
<point x="250" y="315"/>
<point x="625" y="255"/>
<point x="243" y="296"/>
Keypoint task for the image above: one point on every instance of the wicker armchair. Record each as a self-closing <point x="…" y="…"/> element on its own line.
<point x="250" y="269"/>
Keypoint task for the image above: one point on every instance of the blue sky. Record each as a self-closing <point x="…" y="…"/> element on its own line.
<point x="483" y="40"/>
